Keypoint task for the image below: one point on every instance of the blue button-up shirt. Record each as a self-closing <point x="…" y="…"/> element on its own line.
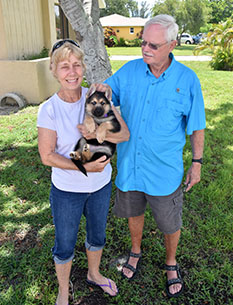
<point x="157" y="112"/>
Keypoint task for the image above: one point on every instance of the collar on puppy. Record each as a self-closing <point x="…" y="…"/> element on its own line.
<point x="108" y="114"/>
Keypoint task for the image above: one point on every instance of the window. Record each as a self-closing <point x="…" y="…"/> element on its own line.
<point x="131" y="30"/>
<point x="62" y="26"/>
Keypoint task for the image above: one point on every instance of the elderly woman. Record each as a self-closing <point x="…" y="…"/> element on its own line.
<point x="73" y="194"/>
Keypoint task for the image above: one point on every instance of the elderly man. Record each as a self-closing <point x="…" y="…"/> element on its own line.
<point x="160" y="100"/>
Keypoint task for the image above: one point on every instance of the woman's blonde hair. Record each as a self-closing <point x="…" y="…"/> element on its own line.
<point x="63" y="52"/>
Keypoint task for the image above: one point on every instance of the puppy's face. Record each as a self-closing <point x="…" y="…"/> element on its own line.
<point x="97" y="105"/>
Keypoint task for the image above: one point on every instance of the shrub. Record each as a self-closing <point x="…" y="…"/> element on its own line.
<point x="136" y="42"/>
<point x="222" y="60"/>
<point x="43" y="53"/>
<point x="121" y="42"/>
<point x="110" y="38"/>
<point x="133" y="43"/>
<point x="219" y="41"/>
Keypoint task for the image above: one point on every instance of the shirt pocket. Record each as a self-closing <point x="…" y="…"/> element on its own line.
<point x="167" y="116"/>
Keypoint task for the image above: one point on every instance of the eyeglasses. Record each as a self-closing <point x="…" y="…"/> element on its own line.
<point x="60" y="43"/>
<point x="152" y="45"/>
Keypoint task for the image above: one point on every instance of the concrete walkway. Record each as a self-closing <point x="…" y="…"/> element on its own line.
<point x="178" y="58"/>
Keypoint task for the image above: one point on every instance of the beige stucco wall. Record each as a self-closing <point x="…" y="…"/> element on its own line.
<point x="124" y="32"/>
<point x="26" y="26"/>
<point x="30" y="78"/>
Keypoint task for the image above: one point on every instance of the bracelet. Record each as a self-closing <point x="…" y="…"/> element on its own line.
<point x="198" y="160"/>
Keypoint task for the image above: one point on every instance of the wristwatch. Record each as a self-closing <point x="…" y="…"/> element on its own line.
<point x="198" y="160"/>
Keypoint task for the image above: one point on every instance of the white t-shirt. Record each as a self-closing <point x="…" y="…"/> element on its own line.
<point x="63" y="117"/>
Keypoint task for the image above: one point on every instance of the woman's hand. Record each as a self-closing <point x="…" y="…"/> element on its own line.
<point x="97" y="165"/>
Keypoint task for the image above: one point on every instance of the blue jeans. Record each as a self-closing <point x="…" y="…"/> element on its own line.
<point x="67" y="209"/>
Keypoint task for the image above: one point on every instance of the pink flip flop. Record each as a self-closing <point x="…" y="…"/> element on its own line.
<point x="103" y="285"/>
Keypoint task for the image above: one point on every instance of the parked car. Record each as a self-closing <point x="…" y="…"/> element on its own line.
<point x="197" y="38"/>
<point x="186" y="38"/>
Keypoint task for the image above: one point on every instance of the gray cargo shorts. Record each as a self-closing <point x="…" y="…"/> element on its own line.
<point x="167" y="210"/>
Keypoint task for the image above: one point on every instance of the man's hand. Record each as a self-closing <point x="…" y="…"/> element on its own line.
<point x="102" y="88"/>
<point x="193" y="176"/>
<point x="97" y="165"/>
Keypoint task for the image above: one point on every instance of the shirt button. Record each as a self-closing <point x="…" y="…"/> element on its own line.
<point x="140" y="138"/>
<point x="143" y="120"/>
<point x="138" y="167"/>
<point x="139" y="154"/>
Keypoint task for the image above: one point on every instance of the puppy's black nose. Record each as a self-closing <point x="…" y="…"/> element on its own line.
<point x="98" y="111"/>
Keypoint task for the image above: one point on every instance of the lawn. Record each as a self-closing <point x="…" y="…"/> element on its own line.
<point x="179" y="50"/>
<point x="205" y="252"/>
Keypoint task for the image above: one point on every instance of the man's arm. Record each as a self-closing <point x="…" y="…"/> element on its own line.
<point x="121" y="136"/>
<point x="194" y="172"/>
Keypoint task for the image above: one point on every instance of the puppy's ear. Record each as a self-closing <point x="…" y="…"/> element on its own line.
<point x="91" y="90"/>
<point x="108" y="93"/>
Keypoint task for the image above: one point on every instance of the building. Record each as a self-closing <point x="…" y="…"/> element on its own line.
<point x="125" y="27"/>
<point x="26" y="27"/>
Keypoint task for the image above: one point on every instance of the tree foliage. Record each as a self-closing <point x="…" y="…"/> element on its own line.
<point x="190" y="15"/>
<point x="220" y="10"/>
<point x="121" y="7"/>
<point x="127" y="8"/>
<point x="110" y="38"/>
<point x="144" y="11"/>
<point x="220" y="41"/>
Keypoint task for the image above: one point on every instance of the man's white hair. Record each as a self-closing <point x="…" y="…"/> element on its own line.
<point x="167" y="22"/>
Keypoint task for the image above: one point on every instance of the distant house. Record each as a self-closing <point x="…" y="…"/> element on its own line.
<point x="125" y="27"/>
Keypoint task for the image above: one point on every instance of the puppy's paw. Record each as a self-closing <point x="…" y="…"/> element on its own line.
<point x="86" y="148"/>
<point x="75" y="155"/>
<point x="89" y="124"/>
<point x="100" y="136"/>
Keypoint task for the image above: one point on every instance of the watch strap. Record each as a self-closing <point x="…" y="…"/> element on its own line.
<point x="198" y="160"/>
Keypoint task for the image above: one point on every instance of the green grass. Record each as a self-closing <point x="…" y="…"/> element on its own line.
<point x="179" y="50"/>
<point x="205" y="250"/>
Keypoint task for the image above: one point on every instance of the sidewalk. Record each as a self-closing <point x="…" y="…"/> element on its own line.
<point x="178" y="58"/>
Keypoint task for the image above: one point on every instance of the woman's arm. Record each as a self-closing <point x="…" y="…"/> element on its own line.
<point x="47" y="142"/>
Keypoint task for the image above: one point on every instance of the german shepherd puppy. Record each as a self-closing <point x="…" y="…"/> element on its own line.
<point x="100" y="117"/>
